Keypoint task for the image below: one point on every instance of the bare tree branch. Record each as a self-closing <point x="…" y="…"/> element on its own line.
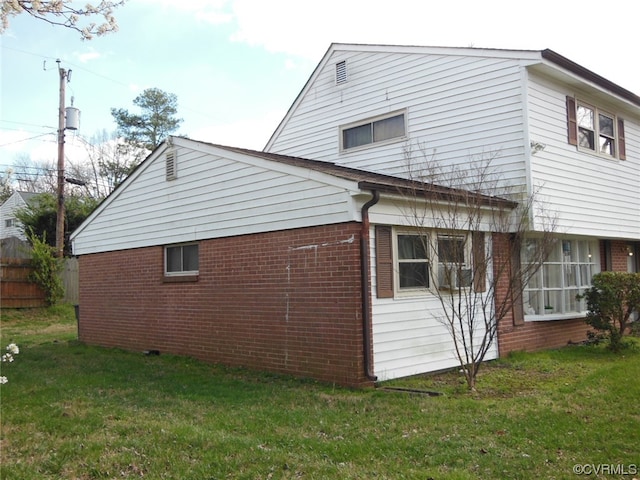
<point x="476" y="270"/>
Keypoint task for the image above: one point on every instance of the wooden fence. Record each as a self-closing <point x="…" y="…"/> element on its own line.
<point x="70" y="280"/>
<point x="16" y="291"/>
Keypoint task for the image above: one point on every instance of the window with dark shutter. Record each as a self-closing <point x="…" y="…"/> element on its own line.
<point x="572" y="125"/>
<point x="591" y="128"/>
<point x="384" y="261"/>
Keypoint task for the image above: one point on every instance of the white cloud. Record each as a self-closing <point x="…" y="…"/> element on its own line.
<point x="85" y="57"/>
<point x="215" y="12"/>
<point x="252" y="132"/>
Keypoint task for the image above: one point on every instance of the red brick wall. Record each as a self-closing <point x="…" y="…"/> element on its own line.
<point x="516" y="334"/>
<point x="287" y="302"/>
<point x="531" y="336"/>
<point x="619" y="255"/>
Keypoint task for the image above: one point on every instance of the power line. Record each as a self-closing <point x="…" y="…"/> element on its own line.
<point x="25" y="139"/>
<point x="24" y="123"/>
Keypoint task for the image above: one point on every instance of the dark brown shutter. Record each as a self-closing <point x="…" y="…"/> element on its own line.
<point x="572" y="124"/>
<point x="622" y="151"/>
<point x="479" y="262"/>
<point x="384" y="261"/>
<point x="515" y="278"/>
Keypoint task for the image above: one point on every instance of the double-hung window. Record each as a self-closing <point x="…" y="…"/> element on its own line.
<point x="454" y="270"/>
<point x="593" y="129"/>
<point x="566" y="273"/>
<point x="379" y="129"/>
<point x="596" y="130"/>
<point x="181" y="260"/>
<point x="413" y="262"/>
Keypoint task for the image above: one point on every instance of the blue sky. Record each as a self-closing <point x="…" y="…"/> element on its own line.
<point x="237" y="65"/>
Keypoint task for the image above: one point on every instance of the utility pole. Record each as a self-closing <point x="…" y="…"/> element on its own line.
<point x="64" y="75"/>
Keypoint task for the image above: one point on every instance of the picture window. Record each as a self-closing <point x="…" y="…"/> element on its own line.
<point x="566" y="273"/>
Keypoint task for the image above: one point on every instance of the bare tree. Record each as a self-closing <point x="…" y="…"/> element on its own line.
<point x="32" y="176"/>
<point x="6" y="184"/>
<point x="472" y="229"/>
<point x="64" y="13"/>
<point x="107" y="164"/>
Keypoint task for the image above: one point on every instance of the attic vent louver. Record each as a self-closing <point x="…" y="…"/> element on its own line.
<point x="341" y="72"/>
<point x="170" y="159"/>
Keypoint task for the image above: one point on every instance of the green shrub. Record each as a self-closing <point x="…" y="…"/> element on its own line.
<point x="611" y="302"/>
<point x="46" y="269"/>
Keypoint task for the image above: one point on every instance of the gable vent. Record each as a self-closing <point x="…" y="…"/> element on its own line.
<point x="341" y="72"/>
<point x="170" y="159"/>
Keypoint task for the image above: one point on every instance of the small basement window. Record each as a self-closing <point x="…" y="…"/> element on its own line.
<point x="181" y="260"/>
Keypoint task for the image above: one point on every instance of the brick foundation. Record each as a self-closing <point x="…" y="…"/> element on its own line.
<point x="286" y="302"/>
<point x="531" y="336"/>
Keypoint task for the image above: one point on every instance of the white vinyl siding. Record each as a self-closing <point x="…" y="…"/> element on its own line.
<point x="592" y="195"/>
<point x="458" y="107"/>
<point x="214" y="196"/>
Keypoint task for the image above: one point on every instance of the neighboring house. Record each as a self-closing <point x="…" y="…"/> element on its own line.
<point x="274" y="261"/>
<point x="552" y="128"/>
<point x="9" y="224"/>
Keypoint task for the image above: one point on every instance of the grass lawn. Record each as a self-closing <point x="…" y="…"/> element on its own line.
<point x="71" y="411"/>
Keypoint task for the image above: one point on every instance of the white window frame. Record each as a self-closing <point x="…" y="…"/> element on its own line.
<point x="400" y="291"/>
<point x="432" y="262"/>
<point x="371" y="121"/>
<point x="466" y="263"/>
<point x="597" y="135"/>
<point x="180" y="272"/>
<point x="544" y="300"/>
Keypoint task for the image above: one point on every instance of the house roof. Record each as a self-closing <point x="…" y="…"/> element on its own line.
<point x="587" y="74"/>
<point x="375" y="181"/>
<point x="355" y="180"/>
<point x="366" y="181"/>
<point x="25" y="196"/>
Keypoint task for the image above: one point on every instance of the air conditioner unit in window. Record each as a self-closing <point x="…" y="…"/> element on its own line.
<point x="452" y="278"/>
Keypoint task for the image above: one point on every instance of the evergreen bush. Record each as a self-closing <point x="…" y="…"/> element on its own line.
<point x="612" y="301"/>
